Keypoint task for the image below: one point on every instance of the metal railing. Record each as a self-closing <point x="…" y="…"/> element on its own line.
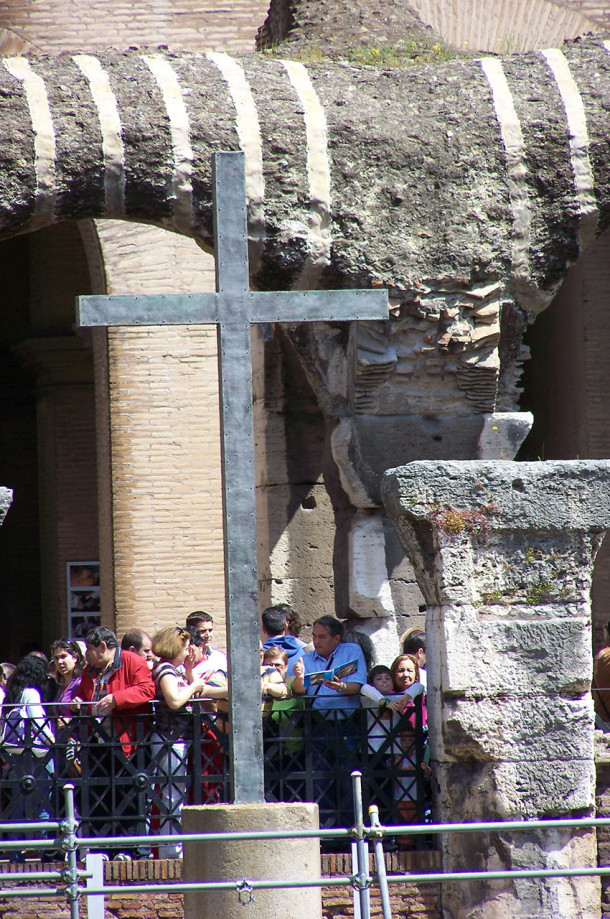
<point x="132" y="777"/>
<point x="69" y="879"/>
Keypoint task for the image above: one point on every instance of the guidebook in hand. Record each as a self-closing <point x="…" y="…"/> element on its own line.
<point x="322" y="676"/>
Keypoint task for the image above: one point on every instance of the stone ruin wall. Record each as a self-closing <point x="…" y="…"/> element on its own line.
<point x="417" y="386"/>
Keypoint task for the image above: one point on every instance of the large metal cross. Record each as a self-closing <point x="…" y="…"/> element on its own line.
<point x="233" y="308"/>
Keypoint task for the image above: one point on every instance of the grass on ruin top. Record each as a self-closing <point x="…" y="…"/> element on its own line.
<point x="385" y="57"/>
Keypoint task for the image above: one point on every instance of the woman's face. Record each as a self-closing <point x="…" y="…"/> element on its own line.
<point x="180" y="659"/>
<point x="405" y="674"/>
<point x="64" y="663"/>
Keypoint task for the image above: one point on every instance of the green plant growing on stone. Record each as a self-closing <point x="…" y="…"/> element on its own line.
<point x="454" y="522"/>
<point x="498" y="597"/>
<point x="539" y="593"/>
<point x="493" y="596"/>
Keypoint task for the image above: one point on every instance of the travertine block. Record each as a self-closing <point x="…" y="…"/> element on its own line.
<point x="504" y="554"/>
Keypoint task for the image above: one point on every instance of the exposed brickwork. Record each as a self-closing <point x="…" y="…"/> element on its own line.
<point x="502" y="26"/>
<point x="408" y="901"/>
<point x="164" y="424"/>
<point x="60" y="366"/>
<point x="602" y="808"/>
<point x="55" y="25"/>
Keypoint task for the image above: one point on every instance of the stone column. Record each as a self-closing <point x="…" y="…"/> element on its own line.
<point x="67" y="493"/>
<point x="252" y="859"/>
<point x="504" y="555"/>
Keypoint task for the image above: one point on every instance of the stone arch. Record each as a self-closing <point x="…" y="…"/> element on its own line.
<point x="472" y="212"/>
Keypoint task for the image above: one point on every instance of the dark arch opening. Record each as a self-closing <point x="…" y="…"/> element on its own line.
<point x="567" y="385"/>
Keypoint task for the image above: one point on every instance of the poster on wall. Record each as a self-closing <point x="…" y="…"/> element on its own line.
<point x="84" y="607"/>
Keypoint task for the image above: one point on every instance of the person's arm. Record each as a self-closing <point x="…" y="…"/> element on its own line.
<point x="138" y="687"/>
<point x="275" y="687"/>
<point x="42" y="732"/>
<point x="189" y="663"/>
<point x="401" y="702"/>
<point x="175" y="695"/>
<point x="346" y="689"/>
<point x="217" y="690"/>
<point x="297" y="686"/>
<point x="371" y="697"/>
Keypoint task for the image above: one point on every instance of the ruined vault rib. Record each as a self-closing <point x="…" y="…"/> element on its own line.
<point x="318" y="173"/>
<point x="249" y="132"/>
<point x="579" y="144"/>
<point x="167" y="81"/>
<point x="44" y="139"/>
<point x="512" y="137"/>
<point x="112" y="131"/>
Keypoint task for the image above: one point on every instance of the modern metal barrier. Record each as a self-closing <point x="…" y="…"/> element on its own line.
<point x="69" y="880"/>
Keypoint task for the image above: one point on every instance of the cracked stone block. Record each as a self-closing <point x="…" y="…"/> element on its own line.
<point x="503" y="553"/>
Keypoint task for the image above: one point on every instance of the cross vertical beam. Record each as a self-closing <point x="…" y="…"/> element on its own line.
<point x="237" y="439"/>
<point x="233" y="308"/>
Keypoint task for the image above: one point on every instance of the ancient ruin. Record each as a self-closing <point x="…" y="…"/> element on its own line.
<point x="504" y="555"/>
<point x="475" y="189"/>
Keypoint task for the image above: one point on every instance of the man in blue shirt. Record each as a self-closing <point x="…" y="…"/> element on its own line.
<point x="330" y="653"/>
<point x="333" y="724"/>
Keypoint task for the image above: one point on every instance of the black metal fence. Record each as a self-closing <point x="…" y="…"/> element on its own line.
<point x="132" y="777"/>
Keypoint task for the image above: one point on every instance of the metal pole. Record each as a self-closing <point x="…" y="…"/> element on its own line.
<point x="377" y="834"/>
<point x="69" y="845"/>
<point x="362" y="880"/>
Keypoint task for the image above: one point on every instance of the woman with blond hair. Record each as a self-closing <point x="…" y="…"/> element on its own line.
<point x="173" y="727"/>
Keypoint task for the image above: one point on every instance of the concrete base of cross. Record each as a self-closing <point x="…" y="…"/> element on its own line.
<point x="252" y="859"/>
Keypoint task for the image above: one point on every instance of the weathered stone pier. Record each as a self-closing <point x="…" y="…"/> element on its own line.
<point x="504" y="555"/>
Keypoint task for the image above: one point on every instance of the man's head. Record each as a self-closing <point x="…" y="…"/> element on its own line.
<point x="414" y="642"/>
<point x="196" y="645"/>
<point x="327" y="634"/>
<point x="101" y="646"/>
<point x="273" y="621"/>
<point x="204" y="624"/>
<point x="140" y="643"/>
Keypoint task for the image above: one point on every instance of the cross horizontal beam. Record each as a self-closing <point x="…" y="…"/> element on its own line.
<point x="210" y="308"/>
<point x="233" y="308"/>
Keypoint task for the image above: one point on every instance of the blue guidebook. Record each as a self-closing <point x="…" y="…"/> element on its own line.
<point x="321" y="676"/>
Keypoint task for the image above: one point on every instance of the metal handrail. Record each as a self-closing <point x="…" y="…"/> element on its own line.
<point x="361" y="880"/>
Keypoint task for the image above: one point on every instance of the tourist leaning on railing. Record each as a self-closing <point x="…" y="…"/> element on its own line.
<point x="172" y="731"/>
<point x="28" y="737"/>
<point x="120" y="686"/>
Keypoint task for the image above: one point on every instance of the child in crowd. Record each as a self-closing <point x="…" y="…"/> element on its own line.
<point x="377" y="693"/>
<point x="274" y="664"/>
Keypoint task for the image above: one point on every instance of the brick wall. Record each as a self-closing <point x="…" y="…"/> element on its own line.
<point x="61" y="369"/>
<point x="165" y="446"/>
<point x="158" y="442"/>
<point x="58" y="25"/>
<point x="408" y="900"/>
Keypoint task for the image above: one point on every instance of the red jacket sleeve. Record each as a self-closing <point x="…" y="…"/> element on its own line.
<point x="85" y="687"/>
<point x="132" y="685"/>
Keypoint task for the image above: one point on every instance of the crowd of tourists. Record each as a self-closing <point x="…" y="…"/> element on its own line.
<point x="176" y="673"/>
